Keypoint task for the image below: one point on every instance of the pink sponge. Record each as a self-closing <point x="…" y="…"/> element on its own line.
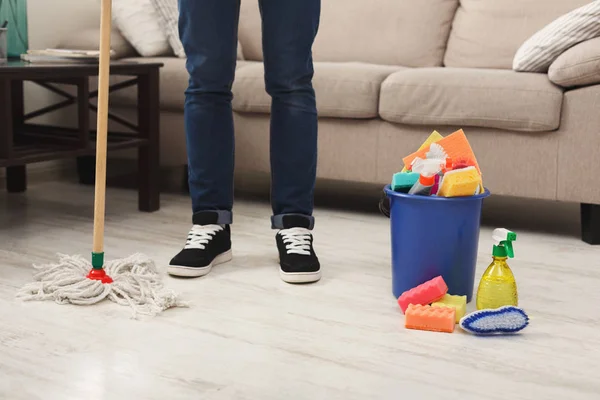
<point x="424" y="294"/>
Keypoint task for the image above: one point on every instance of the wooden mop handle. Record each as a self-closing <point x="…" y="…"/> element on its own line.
<point x="102" y="126"/>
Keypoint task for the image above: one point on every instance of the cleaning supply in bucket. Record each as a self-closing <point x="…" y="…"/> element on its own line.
<point x="455" y="145"/>
<point x="436" y="152"/>
<point x="459" y="303"/>
<point x="498" y="287"/>
<point x="440" y="176"/>
<point x="427" y="318"/>
<point x="434" y="137"/>
<point x="427" y="170"/>
<point x="425" y="293"/>
<point x="507" y="319"/>
<point x="458" y="163"/>
<point x="436" y="185"/>
<point x="460" y="182"/>
<point x="403" y="181"/>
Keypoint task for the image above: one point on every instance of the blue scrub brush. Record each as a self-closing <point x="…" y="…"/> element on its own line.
<point x="507" y="319"/>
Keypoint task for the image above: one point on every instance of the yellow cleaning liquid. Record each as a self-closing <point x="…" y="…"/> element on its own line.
<point x="498" y="286"/>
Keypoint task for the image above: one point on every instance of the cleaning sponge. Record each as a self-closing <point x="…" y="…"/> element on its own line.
<point x="425" y="293"/>
<point x="460" y="182"/>
<point x="427" y="318"/>
<point x="403" y="181"/>
<point x="459" y="303"/>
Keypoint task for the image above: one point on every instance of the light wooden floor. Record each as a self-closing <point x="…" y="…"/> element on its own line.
<point x="250" y="336"/>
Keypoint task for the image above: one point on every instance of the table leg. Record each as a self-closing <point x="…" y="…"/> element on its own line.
<point x="16" y="176"/>
<point x="83" y="111"/>
<point x="6" y="121"/>
<point x="86" y="170"/>
<point x="16" y="179"/>
<point x="86" y="165"/>
<point x="149" y="155"/>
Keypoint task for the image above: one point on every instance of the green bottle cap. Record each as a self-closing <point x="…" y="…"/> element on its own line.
<point x="499" y="251"/>
<point x="504" y="238"/>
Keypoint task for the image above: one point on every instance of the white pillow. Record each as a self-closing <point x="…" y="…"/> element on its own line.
<point x="540" y="50"/>
<point x="168" y="11"/>
<point x="139" y="23"/>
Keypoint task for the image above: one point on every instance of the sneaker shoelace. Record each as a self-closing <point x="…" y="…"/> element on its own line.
<point x="297" y="240"/>
<point x="200" y="235"/>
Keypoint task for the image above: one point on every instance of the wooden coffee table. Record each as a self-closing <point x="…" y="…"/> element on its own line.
<point x="23" y="142"/>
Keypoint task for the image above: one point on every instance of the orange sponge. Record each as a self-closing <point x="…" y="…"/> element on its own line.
<point x="428" y="318"/>
<point x="425" y="293"/>
<point x="455" y="145"/>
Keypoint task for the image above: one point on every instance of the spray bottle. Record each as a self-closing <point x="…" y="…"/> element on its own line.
<point x="427" y="170"/>
<point x="498" y="287"/>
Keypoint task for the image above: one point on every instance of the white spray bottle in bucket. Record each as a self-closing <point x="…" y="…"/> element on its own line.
<point x="427" y="170"/>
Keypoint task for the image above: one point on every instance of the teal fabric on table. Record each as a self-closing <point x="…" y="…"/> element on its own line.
<point x="15" y="12"/>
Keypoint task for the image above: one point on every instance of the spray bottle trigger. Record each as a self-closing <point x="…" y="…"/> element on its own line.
<point x="509" y="248"/>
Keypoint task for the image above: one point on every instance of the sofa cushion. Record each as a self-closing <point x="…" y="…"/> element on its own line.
<point x="488" y="33"/>
<point x="388" y="32"/>
<point x="344" y="90"/>
<point x="173" y="83"/>
<point x="472" y="97"/>
<point x="578" y="66"/>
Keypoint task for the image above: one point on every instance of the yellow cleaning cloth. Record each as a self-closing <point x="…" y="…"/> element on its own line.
<point x="434" y="137"/>
<point x="460" y="182"/>
<point x="459" y="303"/>
<point x="455" y="145"/>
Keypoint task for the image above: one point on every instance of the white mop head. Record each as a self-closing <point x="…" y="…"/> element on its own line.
<point x="136" y="283"/>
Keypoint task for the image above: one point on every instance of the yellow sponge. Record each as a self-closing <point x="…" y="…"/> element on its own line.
<point x="460" y="182"/>
<point x="434" y="137"/>
<point x="459" y="303"/>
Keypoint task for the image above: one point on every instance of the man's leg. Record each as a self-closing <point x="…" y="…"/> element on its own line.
<point x="289" y="30"/>
<point x="208" y="30"/>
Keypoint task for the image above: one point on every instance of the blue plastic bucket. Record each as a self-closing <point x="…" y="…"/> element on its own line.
<point x="434" y="236"/>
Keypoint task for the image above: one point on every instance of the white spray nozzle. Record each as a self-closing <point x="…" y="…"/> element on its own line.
<point x="427" y="167"/>
<point x="503" y="235"/>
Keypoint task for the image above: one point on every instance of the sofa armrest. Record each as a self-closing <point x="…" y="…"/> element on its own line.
<point x="89" y="39"/>
<point x="578" y="66"/>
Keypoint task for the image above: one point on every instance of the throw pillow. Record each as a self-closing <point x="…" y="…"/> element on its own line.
<point x="139" y="23"/>
<point x="540" y="50"/>
<point x="169" y="14"/>
<point x="168" y="10"/>
<point x="578" y="66"/>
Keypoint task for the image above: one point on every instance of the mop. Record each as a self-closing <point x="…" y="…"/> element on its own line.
<point x="133" y="281"/>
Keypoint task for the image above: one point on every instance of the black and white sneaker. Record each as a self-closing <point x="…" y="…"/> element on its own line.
<point x="207" y="245"/>
<point x="297" y="259"/>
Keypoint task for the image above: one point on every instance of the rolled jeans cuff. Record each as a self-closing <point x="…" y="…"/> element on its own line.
<point x="218" y="217"/>
<point x="277" y="220"/>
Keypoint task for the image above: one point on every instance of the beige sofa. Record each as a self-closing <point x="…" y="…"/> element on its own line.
<point x="388" y="72"/>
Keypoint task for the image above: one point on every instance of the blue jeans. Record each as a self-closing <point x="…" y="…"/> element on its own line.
<point x="208" y="30"/>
